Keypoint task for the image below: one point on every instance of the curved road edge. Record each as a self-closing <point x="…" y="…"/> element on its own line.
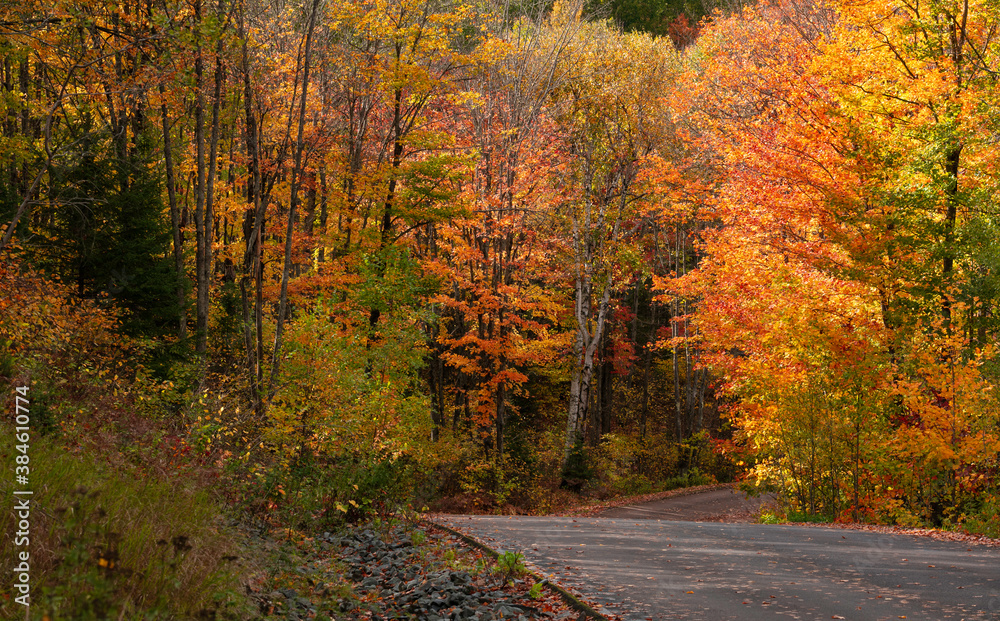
<point x="571" y="600"/>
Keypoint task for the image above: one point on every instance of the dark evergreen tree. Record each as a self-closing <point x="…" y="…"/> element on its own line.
<point x="136" y="267"/>
<point x="658" y="17"/>
<point x="102" y="227"/>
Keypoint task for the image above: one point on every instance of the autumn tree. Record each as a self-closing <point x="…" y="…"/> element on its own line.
<point x="95" y="194"/>
<point x="497" y="318"/>
<point x="840" y="213"/>
<point x="613" y="114"/>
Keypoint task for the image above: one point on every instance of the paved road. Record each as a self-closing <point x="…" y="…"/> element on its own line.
<point x="720" y="505"/>
<point x="654" y="569"/>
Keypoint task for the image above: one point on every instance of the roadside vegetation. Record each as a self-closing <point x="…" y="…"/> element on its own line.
<point x="286" y="268"/>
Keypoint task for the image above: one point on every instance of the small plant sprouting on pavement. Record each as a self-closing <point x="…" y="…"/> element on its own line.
<point x="418" y="537"/>
<point x="535" y="592"/>
<point x="510" y="565"/>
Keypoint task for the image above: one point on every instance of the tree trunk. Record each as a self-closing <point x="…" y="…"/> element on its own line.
<point x="321" y="255"/>
<point x="646" y="366"/>
<point x="573" y="418"/>
<point x="175" y="222"/>
<point x="584" y="350"/>
<point x="30" y="193"/>
<point x="678" y="411"/>
<point x="252" y="269"/>
<point x="501" y="412"/>
<point x="951" y="216"/>
<point x="201" y="228"/>
<point x="206" y="271"/>
<point x="293" y="202"/>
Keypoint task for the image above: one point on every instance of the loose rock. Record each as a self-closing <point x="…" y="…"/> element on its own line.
<point x="386" y="568"/>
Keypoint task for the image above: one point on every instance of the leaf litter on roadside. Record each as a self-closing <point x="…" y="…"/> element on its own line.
<point x="402" y="571"/>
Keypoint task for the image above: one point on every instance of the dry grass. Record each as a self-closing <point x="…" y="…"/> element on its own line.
<point x="106" y="537"/>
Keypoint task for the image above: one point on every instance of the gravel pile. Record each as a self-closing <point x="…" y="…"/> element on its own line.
<point x="389" y="567"/>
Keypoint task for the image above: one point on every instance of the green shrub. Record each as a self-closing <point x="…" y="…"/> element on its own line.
<point x="630" y="465"/>
<point x="419" y="538"/>
<point x="699" y="452"/>
<point x="986" y="519"/>
<point x="690" y="478"/>
<point x="510" y="565"/>
<point x="315" y="494"/>
<point x="578" y="470"/>
<point x="496" y="482"/>
<point x="634" y="485"/>
<point x="805" y="516"/>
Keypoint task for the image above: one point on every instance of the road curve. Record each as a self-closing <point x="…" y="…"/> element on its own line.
<point x="658" y="569"/>
<point x="718" y="505"/>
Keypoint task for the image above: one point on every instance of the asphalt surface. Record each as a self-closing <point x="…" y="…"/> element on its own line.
<point x="721" y="505"/>
<point x="659" y="569"/>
